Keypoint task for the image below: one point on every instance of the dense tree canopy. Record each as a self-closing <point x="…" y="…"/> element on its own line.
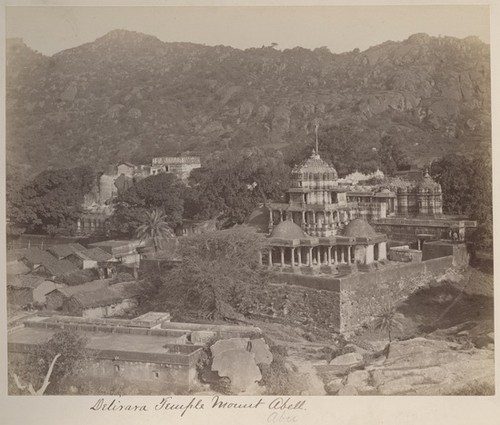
<point x="349" y="150"/>
<point x="392" y="156"/>
<point x="214" y="278"/>
<point x="163" y="191"/>
<point x="52" y="201"/>
<point x="467" y="189"/>
<point x="231" y="186"/>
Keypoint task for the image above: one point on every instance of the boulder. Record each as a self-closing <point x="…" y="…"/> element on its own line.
<point x="333" y="387"/>
<point x="348" y="390"/>
<point x="358" y="379"/>
<point x="239" y="366"/>
<point x="261" y="350"/>
<point x="229" y="344"/>
<point x="349" y="359"/>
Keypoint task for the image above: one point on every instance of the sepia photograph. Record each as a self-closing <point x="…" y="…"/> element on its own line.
<point x="276" y="202"/>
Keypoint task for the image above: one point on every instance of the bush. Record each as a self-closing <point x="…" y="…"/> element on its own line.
<point x="277" y="377"/>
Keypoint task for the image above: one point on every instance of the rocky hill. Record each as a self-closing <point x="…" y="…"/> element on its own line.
<point x="131" y="96"/>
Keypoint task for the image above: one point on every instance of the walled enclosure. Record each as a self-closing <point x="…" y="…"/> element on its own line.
<point x="361" y="295"/>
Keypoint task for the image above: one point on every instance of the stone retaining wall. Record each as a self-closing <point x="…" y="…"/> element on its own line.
<point x="363" y="294"/>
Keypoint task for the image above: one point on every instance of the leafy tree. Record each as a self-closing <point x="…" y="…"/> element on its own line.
<point x="163" y="191"/>
<point x="392" y="156"/>
<point x="388" y="320"/>
<point x="155" y="228"/>
<point x="454" y="173"/>
<point x="52" y="201"/>
<point x="46" y="380"/>
<point x="215" y="275"/>
<point x="59" y="358"/>
<point x="467" y="189"/>
<point x="340" y="145"/>
<point x="231" y="186"/>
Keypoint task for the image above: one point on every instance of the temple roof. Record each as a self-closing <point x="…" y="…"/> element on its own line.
<point x="288" y="230"/>
<point x="359" y="228"/>
<point x="314" y="164"/>
<point x="428" y="182"/>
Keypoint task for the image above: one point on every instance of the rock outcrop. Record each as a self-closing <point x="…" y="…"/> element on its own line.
<point x="127" y="87"/>
<point x="420" y="366"/>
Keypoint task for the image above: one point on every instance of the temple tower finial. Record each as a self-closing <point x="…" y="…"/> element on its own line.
<point x="316" y="127"/>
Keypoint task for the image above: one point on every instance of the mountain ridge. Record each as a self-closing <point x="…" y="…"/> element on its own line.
<point x="130" y="96"/>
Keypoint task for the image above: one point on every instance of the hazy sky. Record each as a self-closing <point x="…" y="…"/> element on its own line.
<point x="52" y="29"/>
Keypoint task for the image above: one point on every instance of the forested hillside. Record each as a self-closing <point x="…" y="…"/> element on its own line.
<point x="130" y="96"/>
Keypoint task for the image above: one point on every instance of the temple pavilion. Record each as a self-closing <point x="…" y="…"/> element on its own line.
<point x="359" y="247"/>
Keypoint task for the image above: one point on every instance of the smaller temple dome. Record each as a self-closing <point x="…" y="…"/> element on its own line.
<point x="428" y="182"/>
<point x="359" y="228"/>
<point x="288" y="230"/>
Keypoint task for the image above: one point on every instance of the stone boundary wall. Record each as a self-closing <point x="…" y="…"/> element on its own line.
<point x="436" y="249"/>
<point x="176" y="355"/>
<point x="363" y="295"/>
<point x="312" y="282"/>
<point x="107" y="328"/>
<point x="405" y="254"/>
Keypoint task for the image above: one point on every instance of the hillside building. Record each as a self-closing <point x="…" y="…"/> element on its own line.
<point x="358" y="247"/>
<point x="181" y="166"/>
<point x="117" y="179"/>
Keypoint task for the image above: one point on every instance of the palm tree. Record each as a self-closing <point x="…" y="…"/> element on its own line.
<point x="388" y="320"/>
<point x="154" y="227"/>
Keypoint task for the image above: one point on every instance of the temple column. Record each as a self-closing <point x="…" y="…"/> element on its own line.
<point x="270" y="256"/>
<point x="337" y="259"/>
<point x="329" y="249"/>
<point x="282" y="252"/>
<point x="349" y="254"/>
<point x="293" y="257"/>
<point x="303" y="218"/>
<point x="310" y="257"/>
<point x="342" y="248"/>
<point x="326" y="255"/>
<point x="299" y="255"/>
<point x="260" y="258"/>
<point x="318" y="255"/>
<point x="369" y="254"/>
<point x="281" y="215"/>
<point x="382" y="251"/>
